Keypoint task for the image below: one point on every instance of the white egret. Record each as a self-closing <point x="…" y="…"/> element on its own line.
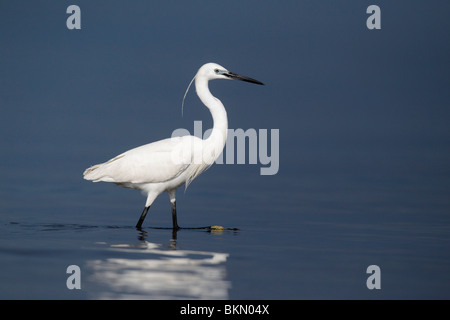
<point x="165" y="165"/>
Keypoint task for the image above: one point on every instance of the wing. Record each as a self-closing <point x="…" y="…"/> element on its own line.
<point x="156" y="162"/>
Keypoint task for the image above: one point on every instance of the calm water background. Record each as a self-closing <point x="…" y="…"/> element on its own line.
<point x="364" y="150"/>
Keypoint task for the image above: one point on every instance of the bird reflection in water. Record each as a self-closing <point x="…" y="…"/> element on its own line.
<point x="147" y="270"/>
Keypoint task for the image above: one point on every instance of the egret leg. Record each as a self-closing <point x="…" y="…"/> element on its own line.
<point x="141" y="219"/>
<point x="172" y="196"/>
<point x="174" y="215"/>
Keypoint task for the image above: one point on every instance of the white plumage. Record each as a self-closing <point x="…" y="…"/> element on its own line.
<point x="165" y="165"/>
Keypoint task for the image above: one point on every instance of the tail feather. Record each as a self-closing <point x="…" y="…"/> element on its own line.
<point x="101" y="172"/>
<point x="91" y="174"/>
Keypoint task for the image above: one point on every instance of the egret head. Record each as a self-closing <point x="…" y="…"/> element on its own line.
<point x="213" y="71"/>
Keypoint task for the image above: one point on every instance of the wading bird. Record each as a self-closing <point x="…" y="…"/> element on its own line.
<point x="165" y="165"/>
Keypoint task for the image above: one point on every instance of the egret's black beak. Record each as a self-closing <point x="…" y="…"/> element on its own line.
<point x="235" y="76"/>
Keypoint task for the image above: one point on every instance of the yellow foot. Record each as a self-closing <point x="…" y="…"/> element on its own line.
<point x="217" y="228"/>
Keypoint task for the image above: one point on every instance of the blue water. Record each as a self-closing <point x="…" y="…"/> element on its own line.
<point x="316" y="245"/>
<point x="364" y="175"/>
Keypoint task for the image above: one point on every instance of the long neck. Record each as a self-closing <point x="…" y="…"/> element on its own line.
<point x="218" y="135"/>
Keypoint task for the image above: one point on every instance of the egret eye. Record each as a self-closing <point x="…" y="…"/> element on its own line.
<point x="216" y="70"/>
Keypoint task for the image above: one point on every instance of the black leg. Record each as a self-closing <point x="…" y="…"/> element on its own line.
<point x="141" y="219"/>
<point x="174" y="216"/>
